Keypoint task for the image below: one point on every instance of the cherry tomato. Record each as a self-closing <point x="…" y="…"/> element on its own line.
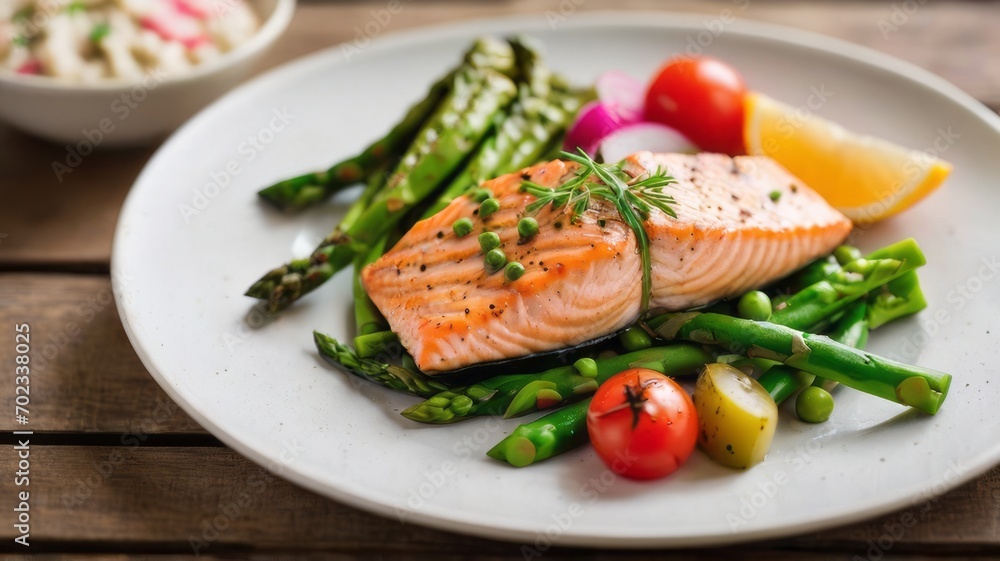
<point x="702" y="98"/>
<point x="642" y="424"/>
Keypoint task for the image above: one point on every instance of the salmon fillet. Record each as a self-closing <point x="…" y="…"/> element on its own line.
<point x="583" y="279"/>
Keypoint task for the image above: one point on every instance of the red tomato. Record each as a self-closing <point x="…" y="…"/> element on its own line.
<point x="702" y="98"/>
<point x="642" y="424"/>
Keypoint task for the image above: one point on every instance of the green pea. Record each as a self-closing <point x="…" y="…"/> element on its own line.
<point x="489" y="207"/>
<point x="586" y="367"/>
<point x="527" y="227"/>
<point x="513" y="271"/>
<point x="755" y="305"/>
<point x="814" y="405"/>
<point x="774" y="195"/>
<point x="846" y="253"/>
<point x="479" y="195"/>
<point x="462" y="227"/>
<point x="635" y="339"/>
<point x="495" y="260"/>
<point x="489" y="241"/>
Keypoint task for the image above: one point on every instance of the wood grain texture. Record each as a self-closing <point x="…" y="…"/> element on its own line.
<point x="85" y="375"/>
<point x="69" y="223"/>
<point x="175" y="500"/>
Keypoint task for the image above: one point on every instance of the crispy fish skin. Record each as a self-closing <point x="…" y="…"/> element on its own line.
<point x="583" y="278"/>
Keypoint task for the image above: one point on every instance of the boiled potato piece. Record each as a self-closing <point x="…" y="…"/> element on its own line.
<point x="737" y="416"/>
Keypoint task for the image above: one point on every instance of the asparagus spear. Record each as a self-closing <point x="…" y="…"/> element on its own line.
<point x="514" y="395"/>
<point x="851" y="329"/>
<point x="309" y="188"/>
<point x="539" y="116"/>
<point x="367" y="317"/>
<point x="522" y="139"/>
<point x="553" y="434"/>
<point x="398" y="378"/>
<point x="369" y="345"/>
<point x="451" y="134"/>
<point x="566" y="428"/>
<point x="830" y="296"/>
<point x="918" y="387"/>
<point x="900" y="297"/>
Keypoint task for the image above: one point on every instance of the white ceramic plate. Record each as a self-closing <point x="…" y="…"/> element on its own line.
<point x="185" y="250"/>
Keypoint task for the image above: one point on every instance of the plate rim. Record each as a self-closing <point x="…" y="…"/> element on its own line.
<point x="446" y="519"/>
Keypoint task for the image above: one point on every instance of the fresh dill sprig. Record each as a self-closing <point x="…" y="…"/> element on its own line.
<point x="633" y="197"/>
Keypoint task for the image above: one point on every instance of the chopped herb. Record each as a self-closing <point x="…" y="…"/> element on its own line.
<point x="99" y="32"/>
<point x="634" y="198"/>
<point x="76" y="7"/>
<point x="774" y="195"/>
<point x="20" y="41"/>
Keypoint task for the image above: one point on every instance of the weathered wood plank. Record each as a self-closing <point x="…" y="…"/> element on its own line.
<point x="69" y="223"/>
<point x="85" y="375"/>
<point x="218" y="501"/>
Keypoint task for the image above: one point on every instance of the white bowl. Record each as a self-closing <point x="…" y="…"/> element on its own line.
<point x="117" y="112"/>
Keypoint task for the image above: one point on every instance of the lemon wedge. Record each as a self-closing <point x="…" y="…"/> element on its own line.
<point x="865" y="178"/>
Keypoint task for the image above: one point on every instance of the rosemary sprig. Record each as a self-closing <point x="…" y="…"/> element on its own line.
<point x="633" y="197"/>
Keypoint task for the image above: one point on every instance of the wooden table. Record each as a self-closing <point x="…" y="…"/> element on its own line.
<point x="117" y="469"/>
